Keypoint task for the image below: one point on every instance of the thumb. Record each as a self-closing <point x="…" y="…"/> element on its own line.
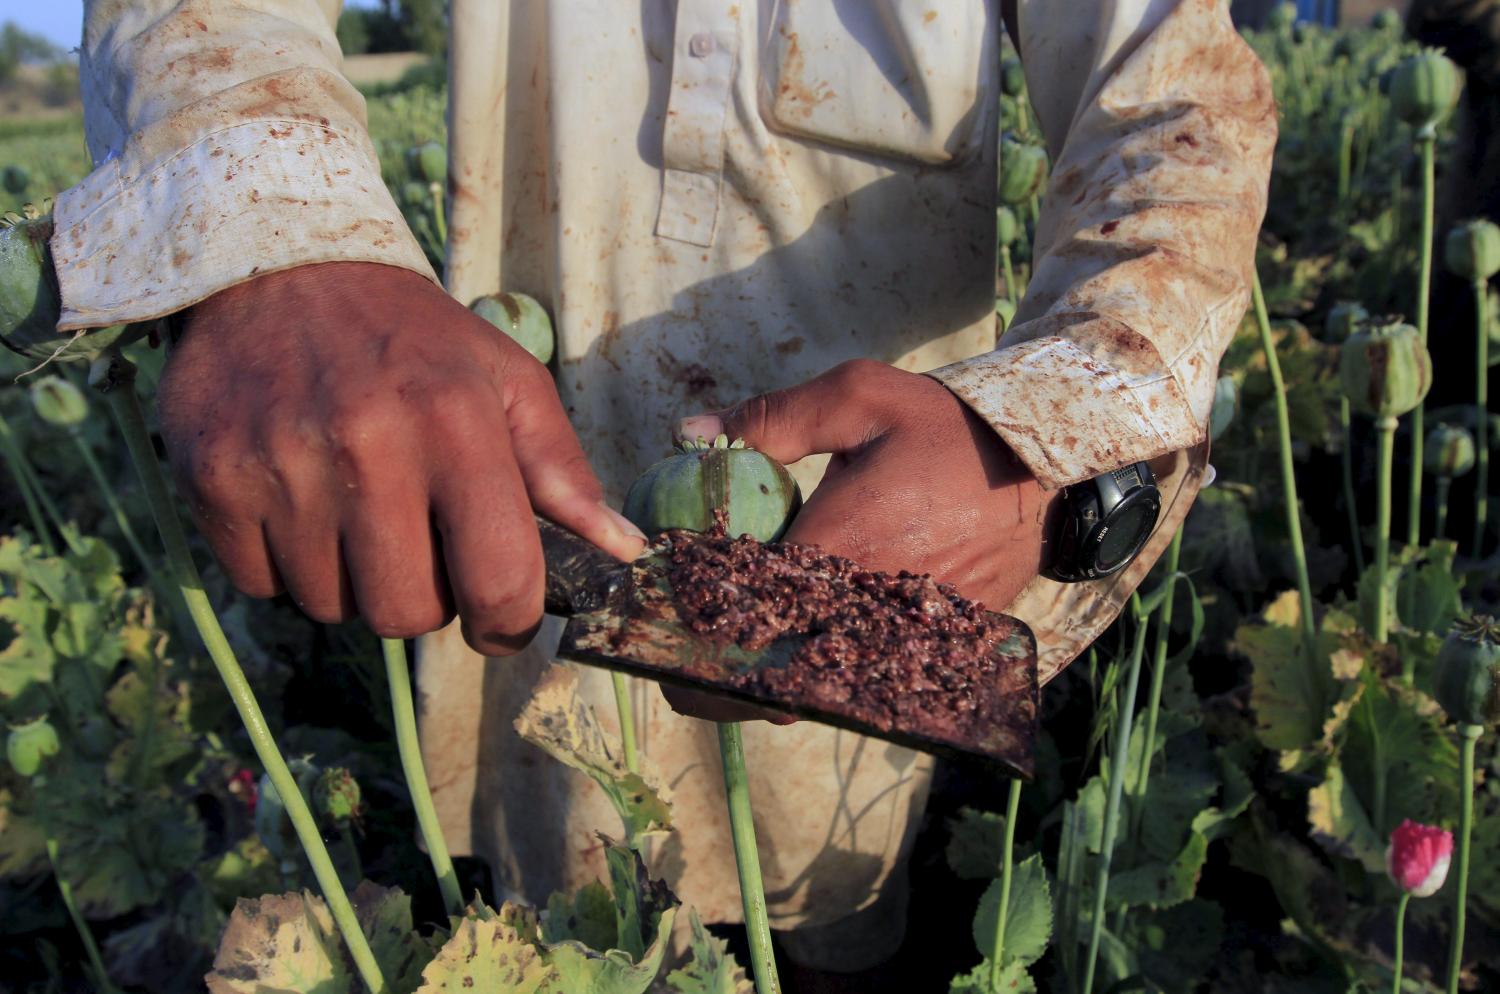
<point x="832" y="413"/>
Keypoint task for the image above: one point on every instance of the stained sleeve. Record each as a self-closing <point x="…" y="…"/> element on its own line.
<point x="227" y="144"/>
<point x="1160" y="124"/>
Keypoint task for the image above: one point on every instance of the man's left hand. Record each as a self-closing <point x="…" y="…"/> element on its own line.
<point x="916" y="482"/>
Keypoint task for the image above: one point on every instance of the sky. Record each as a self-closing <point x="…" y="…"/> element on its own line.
<point x="59" y="21"/>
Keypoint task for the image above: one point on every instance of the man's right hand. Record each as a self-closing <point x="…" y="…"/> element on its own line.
<point x="351" y="434"/>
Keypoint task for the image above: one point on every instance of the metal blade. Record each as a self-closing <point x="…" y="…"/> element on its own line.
<point x="640" y="632"/>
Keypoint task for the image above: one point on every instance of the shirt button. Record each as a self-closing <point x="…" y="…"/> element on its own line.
<point x="701" y="45"/>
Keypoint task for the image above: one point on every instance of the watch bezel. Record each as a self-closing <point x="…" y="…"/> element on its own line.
<point x="1088" y="547"/>
<point x="1091" y="511"/>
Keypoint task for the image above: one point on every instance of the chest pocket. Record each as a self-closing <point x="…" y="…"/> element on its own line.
<point x="909" y="79"/>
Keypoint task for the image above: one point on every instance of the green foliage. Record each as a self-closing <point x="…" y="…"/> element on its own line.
<point x="712" y="970"/>
<point x="1028" y="920"/>
<point x="19" y="46"/>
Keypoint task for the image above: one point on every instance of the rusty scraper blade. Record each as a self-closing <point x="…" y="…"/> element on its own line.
<point x="623" y="617"/>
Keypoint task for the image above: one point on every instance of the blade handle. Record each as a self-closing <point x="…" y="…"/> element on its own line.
<point x="580" y="575"/>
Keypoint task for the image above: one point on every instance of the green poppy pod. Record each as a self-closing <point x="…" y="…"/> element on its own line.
<point x="522" y="318"/>
<point x="30" y="302"/>
<point x="757" y="494"/>
<point x="29" y="743"/>
<point x="1343" y="318"/>
<point x="1226" y="402"/>
<point x="1448" y="451"/>
<point x="1023" y="169"/>
<point x="1387" y="21"/>
<point x="15" y="179"/>
<point x="1424" y="88"/>
<point x="1385" y="369"/>
<point x="1012" y="78"/>
<point x="1472" y="250"/>
<point x="1281" y="17"/>
<point x="429" y="162"/>
<point x="336" y="795"/>
<point x="1466" y="681"/>
<point x="1007" y="226"/>
<point x="58" y="402"/>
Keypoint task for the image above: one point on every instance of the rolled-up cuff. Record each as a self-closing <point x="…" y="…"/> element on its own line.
<point x="1068" y="415"/>
<point x="247" y="200"/>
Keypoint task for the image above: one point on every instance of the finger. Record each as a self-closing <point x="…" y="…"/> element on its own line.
<point x="561" y="484"/>
<point x="831" y="413"/>
<point x="244" y="555"/>
<point x="713" y="707"/>
<point x="305" y="551"/>
<point x="223" y="510"/>
<point x="490" y="549"/>
<point x="400" y="586"/>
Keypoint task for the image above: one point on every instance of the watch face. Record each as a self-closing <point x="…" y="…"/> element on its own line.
<point x="1126" y="530"/>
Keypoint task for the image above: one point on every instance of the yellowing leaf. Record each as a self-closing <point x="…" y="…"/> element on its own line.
<point x="280" y="942"/>
<point x="485" y="957"/>
<point x="1285" y="610"/>
<point x="1290" y="695"/>
<point x="580" y="970"/>
<point x="1013" y="979"/>
<point x="558" y="721"/>
<point x="1339" y="823"/>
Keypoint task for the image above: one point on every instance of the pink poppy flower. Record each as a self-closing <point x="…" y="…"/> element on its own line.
<point x="1417" y="858"/>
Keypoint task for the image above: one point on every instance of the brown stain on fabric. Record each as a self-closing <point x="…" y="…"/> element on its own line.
<point x="795" y="94"/>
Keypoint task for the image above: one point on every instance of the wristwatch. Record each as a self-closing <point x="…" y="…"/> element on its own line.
<point x="1103" y="524"/>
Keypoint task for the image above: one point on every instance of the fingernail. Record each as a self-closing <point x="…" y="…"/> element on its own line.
<point x="705" y="426"/>
<point x="623" y="523"/>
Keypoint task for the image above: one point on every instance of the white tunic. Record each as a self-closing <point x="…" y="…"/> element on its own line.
<point x="716" y="199"/>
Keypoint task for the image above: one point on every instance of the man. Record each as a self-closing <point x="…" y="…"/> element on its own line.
<point x="715" y="200"/>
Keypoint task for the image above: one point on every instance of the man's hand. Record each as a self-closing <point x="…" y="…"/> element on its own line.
<point x="917" y="482"/>
<point x="353" y="435"/>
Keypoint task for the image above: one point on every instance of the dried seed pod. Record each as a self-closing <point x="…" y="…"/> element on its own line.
<point x="1472" y="250"/>
<point x="522" y="318"/>
<point x="757" y="494"/>
<point x="1449" y="451"/>
<point x="1385" y="369"/>
<point x="1425" y="88"/>
<point x="1466" y="681"/>
<point x="1023" y="169"/>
